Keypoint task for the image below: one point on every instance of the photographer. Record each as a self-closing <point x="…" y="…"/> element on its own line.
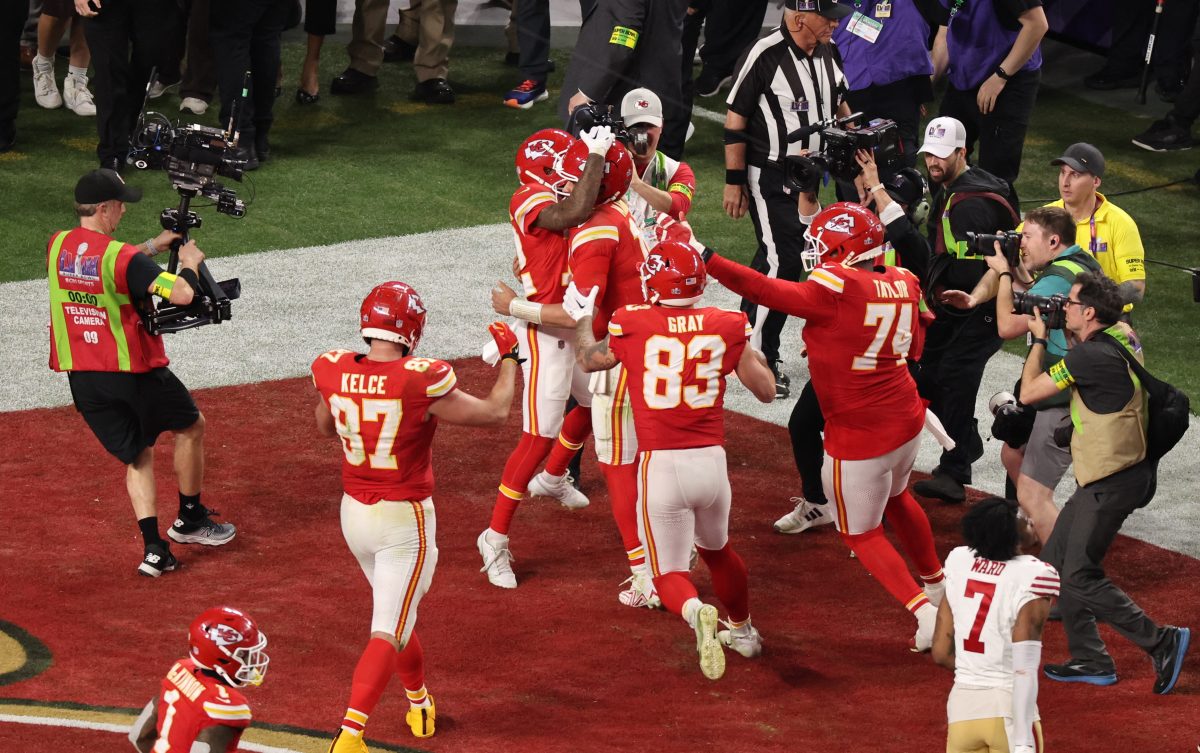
<point x="660" y="184"/>
<point x="1108" y="449"/>
<point x="117" y="370"/>
<point x="1050" y="256"/>
<point x="902" y="204"/>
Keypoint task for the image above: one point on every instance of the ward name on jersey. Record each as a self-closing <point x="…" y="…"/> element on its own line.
<point x="380" y="410"/>
<point x="605" y="253"/>
<point x="541" y="253"/>
<point x="191" y="701"/>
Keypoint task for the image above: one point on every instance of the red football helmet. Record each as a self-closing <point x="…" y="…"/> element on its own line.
<point x="228" y="642"/>
<point x="673" y="274"/>
<point x="394" y="312"/>
<point x="618" y="174"/>
<point x="842" y="233"/>
<point x="539" y="159"/>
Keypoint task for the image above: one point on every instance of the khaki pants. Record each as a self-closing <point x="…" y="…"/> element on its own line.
<point x="985" y="736"/>
<point x="429" y="26"/>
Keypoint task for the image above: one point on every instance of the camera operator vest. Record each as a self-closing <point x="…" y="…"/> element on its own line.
<point x="94" y="323"/>
<point x="1066" y="268"/>
<point x="945" y="242"/>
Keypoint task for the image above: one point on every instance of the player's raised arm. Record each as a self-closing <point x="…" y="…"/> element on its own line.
<point x="458" y="407"/>
<point x="144" y="731"/>
<point x="802" y="299"/>
<point x="590" y="355"/>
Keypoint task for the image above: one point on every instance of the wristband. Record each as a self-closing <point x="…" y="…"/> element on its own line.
<point x="1005" y="274"/>
<point x="1038" y="341"/>
<point x="527" y="310"/>
<point x="149" y="246"/>
<point x="513" y="357"/>
<point x="735" y="177"/>
<point x="707" y="255"/>
<point x="191" y="278"/>
<point x="735" y="137"/>
<point x="876" y="187"/>
<point x="1003" y="74"/>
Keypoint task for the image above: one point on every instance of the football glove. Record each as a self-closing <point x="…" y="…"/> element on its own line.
<point x="506" y="341"/>
<point x="598" y="139"/>
<point x="577" y="305"/>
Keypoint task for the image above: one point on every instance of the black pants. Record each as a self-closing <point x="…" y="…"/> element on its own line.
<point x="956" y="351"/>
<point x="780" y="241"/>
<point x="245" y="37"/>
<point x="1084" y="531"/>
<point x="1001" y="133"/>
<point x="1132" y="20"/>
<point x="12" y="21"/>
<point x="899" y="101"/>
<point x="533" y="38"/>
<point x="127" y="39"/>
<point x="1187" y="104"/>
<point x="808" y="447"/>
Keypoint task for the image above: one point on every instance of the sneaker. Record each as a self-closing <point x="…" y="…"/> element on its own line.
<point x="940" y="486"/>
<point x="344" y="742"/>
<point x="204" y="531"/>
<point x="1076" y="671"/>
<point x="805" y="516"/>
<point x="194" y="105"/>
<point x="561" y="488"/>
<point x="712" y="654"/>
<point x="926" y="620"/>
<point x="641" y="591"/>
<point x="158" y="88"/>
<point x="45" y="90"/>
<point x="1164" y="135"/>
<point x="782" y="382"/>
<point x="421" y="719"/>
<point x="745" y="639"/>
<point x="525" y="94"/>
<point x="77" y="97"/>
<point x="935" y="592"/>
<point x="1169" y="660"/>
<point x="709" y="84"/>
<point x="497" y="561"/>
<point x="157" y="560"/>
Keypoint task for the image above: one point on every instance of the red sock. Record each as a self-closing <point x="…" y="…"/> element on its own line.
<point x="908" y="519"/>
<point x="883" y="562"/>
<point x="410" y="664"/>
<point x="522" y="463"/>
<point x="674" y="589"/>
<point x="375" y="668"/>
<point x="577" y="426"/>
<point x="729" y="580"/>
<point x="622" y="495"/>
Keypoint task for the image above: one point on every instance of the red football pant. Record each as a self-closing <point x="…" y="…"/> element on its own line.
<point x="410" y="664"/>
<point x="375" y="667"/>
<point x="883" y="562"/>
<point x="729" y="579"/>
<point x="522" y="463"/>
<point x="622" y="495"/>
<point x="911" y="525"/>
<point x="576" y="428"/>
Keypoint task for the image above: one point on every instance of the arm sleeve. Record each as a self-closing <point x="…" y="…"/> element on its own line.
<point x="803" y="299"/>
<point x="683" y="190"/>
<point x="141" y="272"/>
<point x="441" y="380"/>
<point x="611" y="37"/>
<point x="1026" y="656"/>
<point x="911" y="247"/>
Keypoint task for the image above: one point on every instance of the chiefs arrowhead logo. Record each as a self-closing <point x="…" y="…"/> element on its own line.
<point x="223" y="635"/>
<point x="539" y="148"/>
<point x="842" y="223"/>
<point x="642" y="104"/>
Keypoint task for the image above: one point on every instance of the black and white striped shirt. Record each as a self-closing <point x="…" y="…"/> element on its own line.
<point x="779" y="89"/>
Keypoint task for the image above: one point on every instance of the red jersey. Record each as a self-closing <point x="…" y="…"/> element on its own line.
<point x="542" y="253"/>
<point x="677" y="360"/>
<point x="861" y="327"/>
<point x="192" y="700"/>
<point x="381" y="413"/>
<point x="606" y="252"/>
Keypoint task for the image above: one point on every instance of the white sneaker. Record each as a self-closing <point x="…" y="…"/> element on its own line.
<point x="194" y="105"/>
<point x="45" y="90"/>
<point x="641" y="591"/>
<point x="496" y="562"/>
<point x="805" y="516"/>
<point x="77" y="97"/>
<point x="712" y="655"/>
<point x="745" y="639"/>
<point x="158" y="88"/>
<point x="926" y="620"/>
<point x="935" y="592"/>
<point x="545" y="485"/>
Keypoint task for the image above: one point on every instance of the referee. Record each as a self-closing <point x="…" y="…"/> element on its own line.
<point x="789" y="79"/>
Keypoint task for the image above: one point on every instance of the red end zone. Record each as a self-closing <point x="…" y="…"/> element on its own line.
<point x="555" y="665"/>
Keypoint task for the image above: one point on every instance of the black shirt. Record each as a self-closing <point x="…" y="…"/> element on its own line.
<point x="1100" y="373"/>
<point x="139" y="275"/>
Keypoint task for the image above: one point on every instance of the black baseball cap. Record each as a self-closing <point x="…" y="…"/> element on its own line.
<point x="105" y="185"/>
<point x="831" y="9"/>
<point x="1083" y="158"/>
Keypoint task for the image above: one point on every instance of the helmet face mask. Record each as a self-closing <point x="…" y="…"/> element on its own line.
<point x="394" y="312"/>
<point x="229" y="643"/>
<point x="673" y="275"/>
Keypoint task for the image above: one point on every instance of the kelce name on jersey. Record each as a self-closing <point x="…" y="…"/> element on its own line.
<point x="187" y="684"/>
<point x="373" y="384"/>
<point x="987" y="567"/>
<point x="897" y="289"/>
<point x="693" y="323"/>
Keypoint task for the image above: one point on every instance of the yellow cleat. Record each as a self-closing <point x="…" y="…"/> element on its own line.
<point x="344" y="742"/>
<point x="421" y="720"/>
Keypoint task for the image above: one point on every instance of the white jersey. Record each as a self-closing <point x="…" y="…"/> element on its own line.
<point x="985" y="597"/>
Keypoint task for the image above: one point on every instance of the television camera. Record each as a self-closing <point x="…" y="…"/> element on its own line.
<point x="585" y="117"/>
<point x="839" y="144"/>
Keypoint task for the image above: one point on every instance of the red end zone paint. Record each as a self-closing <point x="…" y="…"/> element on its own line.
<point x="558" y="663"/>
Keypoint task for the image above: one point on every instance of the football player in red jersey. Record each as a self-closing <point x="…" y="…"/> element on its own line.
<point x="676" y="357"/>
<point x="862" y="324"/>
<point x="384" y="406"/>
<point x="547" y="203"/>
<point x="200" y="702"/>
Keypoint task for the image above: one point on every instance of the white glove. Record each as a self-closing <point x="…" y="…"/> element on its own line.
<point x="577" y="305"/>
<point x="598" y="139"/>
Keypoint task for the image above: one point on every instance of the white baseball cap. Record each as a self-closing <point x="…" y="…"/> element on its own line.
<point x="641" y="106"/>
<point x="943" y="136"/>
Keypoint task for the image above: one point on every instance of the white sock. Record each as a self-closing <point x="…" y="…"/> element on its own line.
<point x="691" y="608"/>
<point x="73" y="71"/>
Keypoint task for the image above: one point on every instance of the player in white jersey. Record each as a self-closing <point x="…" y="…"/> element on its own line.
<point x="989" y="631"/>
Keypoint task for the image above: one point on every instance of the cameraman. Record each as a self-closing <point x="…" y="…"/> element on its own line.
<point x="902" y="204"/>
<point x="1050" y="263"/>
<point x="660" y="184"/>
<point x="117" y="370"/>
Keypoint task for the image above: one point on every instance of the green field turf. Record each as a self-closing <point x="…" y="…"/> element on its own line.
<point x="371" y="166"/>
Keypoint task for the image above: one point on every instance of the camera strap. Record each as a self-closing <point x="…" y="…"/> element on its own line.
<point x="959" y="248"/>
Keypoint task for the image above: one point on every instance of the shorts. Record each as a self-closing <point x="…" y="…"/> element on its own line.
<point x="551" y="378"/>
<point x="1045" y="462"/>
<point x="127" y="411"/>
<point x="860" y="489"/>
<point x="59" y="8"/>
<point x="612" y="417"/>
<point x="683" y="499"/>
<point x="395" y="544"/>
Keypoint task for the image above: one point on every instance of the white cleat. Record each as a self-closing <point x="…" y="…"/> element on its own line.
<point x="497" y="561"/>
<point x="745" y="639"/>
<point x="641" y="591"/>
<point x="545" y="485"/>
<point x="805" y="516"/>
<point x="926" y="620"/>
<point x="712" y="654"/>
<point x="77" y="97"/>
<point x="194" y="105"/>
<point x="935" y="592"/>
<point x="45" y="89"/>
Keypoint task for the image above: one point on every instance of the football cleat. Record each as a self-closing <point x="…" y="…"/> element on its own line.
<point x="204" y="531"/>
<point x="560" y="488"/>
<point x="641" y="591"/>
<point x="496" y="562"/>
<point x="926" y="620"/>
<point x="709" y="649"/>
<point x="344" y="742"/>
<point x="745" y="639"/>
<point x="806" y="515"/>
<point x="421" y="719"/>
<point x="157" y="560"/>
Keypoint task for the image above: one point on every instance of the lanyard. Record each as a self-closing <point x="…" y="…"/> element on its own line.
<point x="956" y="6"/>
<point x="1093" y="246"/>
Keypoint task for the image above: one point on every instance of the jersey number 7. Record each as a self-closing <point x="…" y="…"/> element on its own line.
<point x="985" y="590"/>
<point x="348" y="417"/>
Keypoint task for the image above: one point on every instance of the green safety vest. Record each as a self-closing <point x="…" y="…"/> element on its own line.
<point x="109" y="300"/>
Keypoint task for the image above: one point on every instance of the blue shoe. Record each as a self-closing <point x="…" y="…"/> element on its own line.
<point x="526" y="94"/>
<point x="1169" y="659"/>
<point x="1076" y="671"/>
